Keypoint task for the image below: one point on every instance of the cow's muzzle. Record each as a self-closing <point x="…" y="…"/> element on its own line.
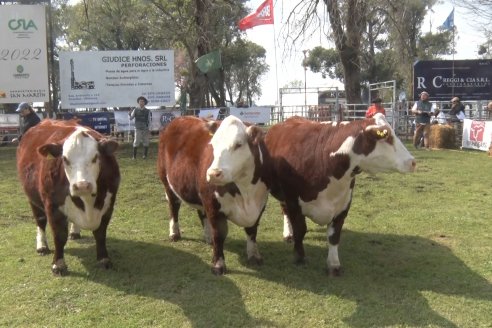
<point x="215" y="176"/>
<point x="82" y="188"/>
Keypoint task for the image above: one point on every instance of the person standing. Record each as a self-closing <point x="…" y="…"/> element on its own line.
<point x="143" y="117"/>
<point x="376" y="107"/>
<point x="423" y="110"/>
<point x="457" y="112"/>
<point x="28" y="119"/>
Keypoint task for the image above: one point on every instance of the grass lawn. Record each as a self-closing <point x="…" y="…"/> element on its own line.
<point x="416" y="251"/>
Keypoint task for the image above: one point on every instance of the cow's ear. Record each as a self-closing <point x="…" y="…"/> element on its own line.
<point x="107" y="146"/>
<point x="52" y="149"/>
<point x="255" y="133"/>
<point x="212" y="126"/>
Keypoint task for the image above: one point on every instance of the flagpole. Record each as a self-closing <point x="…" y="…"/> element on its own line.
<point x="452" y="88"/>
<point x="276" y="70"/>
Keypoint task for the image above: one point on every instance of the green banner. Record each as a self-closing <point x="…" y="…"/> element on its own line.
<point x="209" y="62"/>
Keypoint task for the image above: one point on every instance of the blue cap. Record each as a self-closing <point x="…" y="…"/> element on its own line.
<point x="22" y="106"/>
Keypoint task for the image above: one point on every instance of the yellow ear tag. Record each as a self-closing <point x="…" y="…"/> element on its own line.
<point x="211" y="134"/>
<point x="382" y="134"/>
<point x="49" y="156"/>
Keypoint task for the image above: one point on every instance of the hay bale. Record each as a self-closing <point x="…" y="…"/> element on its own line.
<point x="442" y="136"/>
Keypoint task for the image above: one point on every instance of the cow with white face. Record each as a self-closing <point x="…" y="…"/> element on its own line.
<point x="69" y="174"/>
<point x="218" y="168"/>
<point x="314" y="167"/>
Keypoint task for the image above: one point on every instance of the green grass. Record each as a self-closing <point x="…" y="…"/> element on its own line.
<point x="415" y="250"/>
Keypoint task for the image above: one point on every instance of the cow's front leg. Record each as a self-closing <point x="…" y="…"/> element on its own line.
<point x="59" y="227"/>
<point x="100" y="237"/>
<point x="207" y="230"/>
<point x="334" y="231"/>
<point x="219" y="227"/>
<point x="254" y="256"/>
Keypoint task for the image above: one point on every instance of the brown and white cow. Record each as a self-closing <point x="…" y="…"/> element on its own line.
<point x="222" y="176"/>
<point x="314" y="167"/>
<point x="69" y="173"/>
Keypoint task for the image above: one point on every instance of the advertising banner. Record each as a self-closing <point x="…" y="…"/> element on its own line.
<point x="96" y="79"/>
<point x="257" y="115"/>
<point x="160" y="119"/>
<point x="99" y="121"/>
<point x="445" y="79"/>
<point x="477" y="134"/>
<point x="23" y="54"/>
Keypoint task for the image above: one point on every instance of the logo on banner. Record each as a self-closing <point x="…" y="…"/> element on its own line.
<point x="22" y="25"/>
<point x="476" y="130"/>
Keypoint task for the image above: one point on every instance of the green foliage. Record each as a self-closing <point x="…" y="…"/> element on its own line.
<point x="415" y="250"/>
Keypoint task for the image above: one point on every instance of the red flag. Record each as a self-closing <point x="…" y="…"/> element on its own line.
<point x="262" y="16"/>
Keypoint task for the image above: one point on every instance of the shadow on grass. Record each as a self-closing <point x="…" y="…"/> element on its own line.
<point x="171" y="275"/>
<point x="385" y="275"/>
<point x="382" y="274"/>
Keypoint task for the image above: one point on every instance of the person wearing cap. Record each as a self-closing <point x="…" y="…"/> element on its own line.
<point x="375" y="108"/>
<point x="423" y="110"/>
<point x="457" y="112"/>
<point x="143" y="117"/>
<point x="28" y="119"/>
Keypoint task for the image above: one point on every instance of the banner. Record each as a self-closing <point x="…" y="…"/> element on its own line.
<point x="99" y="121"/>
<point x="262" y="16"/>
<point x="449" y="22"/>
<point x="445" y="79"/>
<point x="477" y="134"/>
<point x="95" y="79"/>
<point x="256" y="115"/>
<point x="209" y="62"/>
<point x="23" y="56"/>
<point x="160" y="119"/>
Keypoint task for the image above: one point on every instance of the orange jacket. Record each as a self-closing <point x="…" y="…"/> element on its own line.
<point x="373" y="109"/>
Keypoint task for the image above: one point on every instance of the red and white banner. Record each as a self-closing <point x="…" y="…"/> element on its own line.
<point x="262" y="16"/>
<point x="477" y="134"/>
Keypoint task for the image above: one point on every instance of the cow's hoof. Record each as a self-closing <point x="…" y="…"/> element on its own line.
<point x="59" y="269"/>
<point x="105" y="263"/>
<point x="255" y="260"/>
<point x="219" y="271"/>
<point x="334" y="272"/>
<point x="174" y="237"/>
<point x="43" y="250"/>
<point x="74" y="236"/>
<point x="288" y="239"/>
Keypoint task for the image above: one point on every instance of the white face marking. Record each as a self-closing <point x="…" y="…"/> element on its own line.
<point x="81" y="163"/>
<point x="233" y="159"/>
<point x="90" y="219"/>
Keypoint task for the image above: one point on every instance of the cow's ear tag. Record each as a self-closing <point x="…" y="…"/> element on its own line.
<point x="382" y="133"/>
<point x="49" y="156"/>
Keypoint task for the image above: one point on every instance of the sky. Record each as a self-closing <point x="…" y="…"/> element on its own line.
<point x="287" y="67"/>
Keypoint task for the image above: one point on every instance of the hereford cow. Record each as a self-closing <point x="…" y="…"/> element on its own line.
<point x="69" y="173"/>
<point x="314" y="167"/>
<point x="222" y="176"/>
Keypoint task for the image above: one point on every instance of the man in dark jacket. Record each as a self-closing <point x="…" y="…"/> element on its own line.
<point x="457" y="112"/>
<point x="28" y="119"/>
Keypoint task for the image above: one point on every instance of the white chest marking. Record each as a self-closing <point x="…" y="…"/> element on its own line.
<point x="88" y="219"/>
<point x="244" y="209"/>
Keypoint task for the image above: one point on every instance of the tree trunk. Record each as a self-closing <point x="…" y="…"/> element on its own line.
<point x="348" y="42"/>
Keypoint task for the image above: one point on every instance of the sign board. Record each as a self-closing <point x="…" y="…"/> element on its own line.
<point x="445" y="79"/>
<point x="99" y="121"/>
<point x="23" y="54"/>
<point x="159" y="120"/>
<point x="257" y="115"/>
<point x="95" y="79"/>
<point x="477" y="134"/>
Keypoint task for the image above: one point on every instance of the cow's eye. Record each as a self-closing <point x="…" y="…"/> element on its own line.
<point x="94" y="159"/>
<point x="66" y="161"/>
<point x="237" y="145"/>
